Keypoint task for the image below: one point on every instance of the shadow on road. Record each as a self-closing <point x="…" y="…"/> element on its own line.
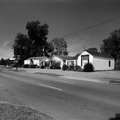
<point x="117" y="117"/>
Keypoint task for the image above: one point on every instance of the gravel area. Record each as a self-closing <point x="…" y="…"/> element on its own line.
<point x="17" y="112"/>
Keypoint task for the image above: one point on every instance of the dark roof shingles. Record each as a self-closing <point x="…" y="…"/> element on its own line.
<point x="37" y="58"/>
<point x="100" y="55"/>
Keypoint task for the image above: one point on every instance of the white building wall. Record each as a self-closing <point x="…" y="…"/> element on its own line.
<point x="58" y="60"/>
<point x="103" y="64"/>
<point x="26" y="62"/>
<point x="69" y="62"/>
<point x="98" y="62"/>
<point x="84" y="53"/>
<point x="112" y="64"/>
<point x="36" y="62"/>
<point x="79" y="61"/>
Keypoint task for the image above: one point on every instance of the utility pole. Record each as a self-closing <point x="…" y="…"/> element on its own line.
<point x="43" y="51"/>
<point x="16" y="58"/>
<point x="16" y="62"/>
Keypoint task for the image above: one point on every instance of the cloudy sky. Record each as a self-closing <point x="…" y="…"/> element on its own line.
<point x="63" y="17"/>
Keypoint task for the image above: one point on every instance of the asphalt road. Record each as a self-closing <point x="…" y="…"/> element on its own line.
<point x="64" y="99"/>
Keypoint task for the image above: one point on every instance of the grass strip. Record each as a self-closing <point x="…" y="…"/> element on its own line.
<point x="14" y="112"/>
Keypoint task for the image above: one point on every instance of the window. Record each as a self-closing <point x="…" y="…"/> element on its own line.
<point x="85" y="57"/>
<point x="109" y="63"/>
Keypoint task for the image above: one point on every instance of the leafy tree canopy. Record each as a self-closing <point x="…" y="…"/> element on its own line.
<point x="37" y="32"/>
<point x="33" y="44"/>
<point x="38" y="36"/>
<point x="36" y="39"/>
<point x="111" y="45"/>
<point x="2" y="62"/>
<point x="93" y="49"/>
<point x="59" y="46"/>
<point x="21" y="47"/>
<point x="21" y="44"/>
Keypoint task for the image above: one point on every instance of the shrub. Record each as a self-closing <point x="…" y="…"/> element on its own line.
<point x="117" y="117"/>
<point x="65" y="67"/>
<point x="77" y="68"/>
<point x="88" y="67"/>
<point x="47" y="64"/>
<point x="42" y="67"/>
<point x="26" y="66"/>
<point x="55" y="65"/>
<point x="117" y="64"/>
<point x="51" y="67"/>
<point x="71" y="67"/>
<point x="33" y="66"/>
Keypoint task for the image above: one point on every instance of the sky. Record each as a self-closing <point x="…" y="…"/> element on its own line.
<point x="63" y="17"/>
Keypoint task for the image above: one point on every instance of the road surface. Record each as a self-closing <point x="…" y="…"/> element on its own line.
<point x="64" y="99"/>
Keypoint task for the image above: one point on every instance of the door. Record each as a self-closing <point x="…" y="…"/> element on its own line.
<point x="84" y="60"/>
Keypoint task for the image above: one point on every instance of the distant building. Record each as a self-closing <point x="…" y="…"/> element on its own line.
<point x="68" y="60"/>
<point x="12" y="59"/>
<point x="39" y="61"/>
<point x="99" y="61"/>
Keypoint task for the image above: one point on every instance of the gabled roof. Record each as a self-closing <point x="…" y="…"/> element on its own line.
<point x="76" y="56"/>
<point x="38" y="58"/>
<point x="64" y="57"/>
<point x="100" y="55"/>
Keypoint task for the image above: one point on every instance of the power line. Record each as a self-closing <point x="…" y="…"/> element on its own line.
<point x="92" y="26"/>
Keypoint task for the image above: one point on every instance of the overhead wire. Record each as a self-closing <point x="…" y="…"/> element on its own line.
<point x="91" y="26"/>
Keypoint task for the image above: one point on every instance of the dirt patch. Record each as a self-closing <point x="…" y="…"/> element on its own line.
<point x="112" y="79"/>
<point x="115" y="82"/>
<point x="14" y="112"/>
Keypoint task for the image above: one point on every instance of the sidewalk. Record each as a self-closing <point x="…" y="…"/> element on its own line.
<point x="98" y="76"/>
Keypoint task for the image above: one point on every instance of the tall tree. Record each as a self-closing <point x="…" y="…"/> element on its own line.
<point x="38" y="37"/>
<point x="111" y="45"/>
<point x="59" y="46"/>
<point x="21" y="47"/>
<point x="2" y="62"/>
<point x="35" y="44"/>
<point x="93" y="49"/>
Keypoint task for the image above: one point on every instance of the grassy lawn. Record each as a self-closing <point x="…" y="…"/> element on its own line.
<point x="16" y="112"/>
